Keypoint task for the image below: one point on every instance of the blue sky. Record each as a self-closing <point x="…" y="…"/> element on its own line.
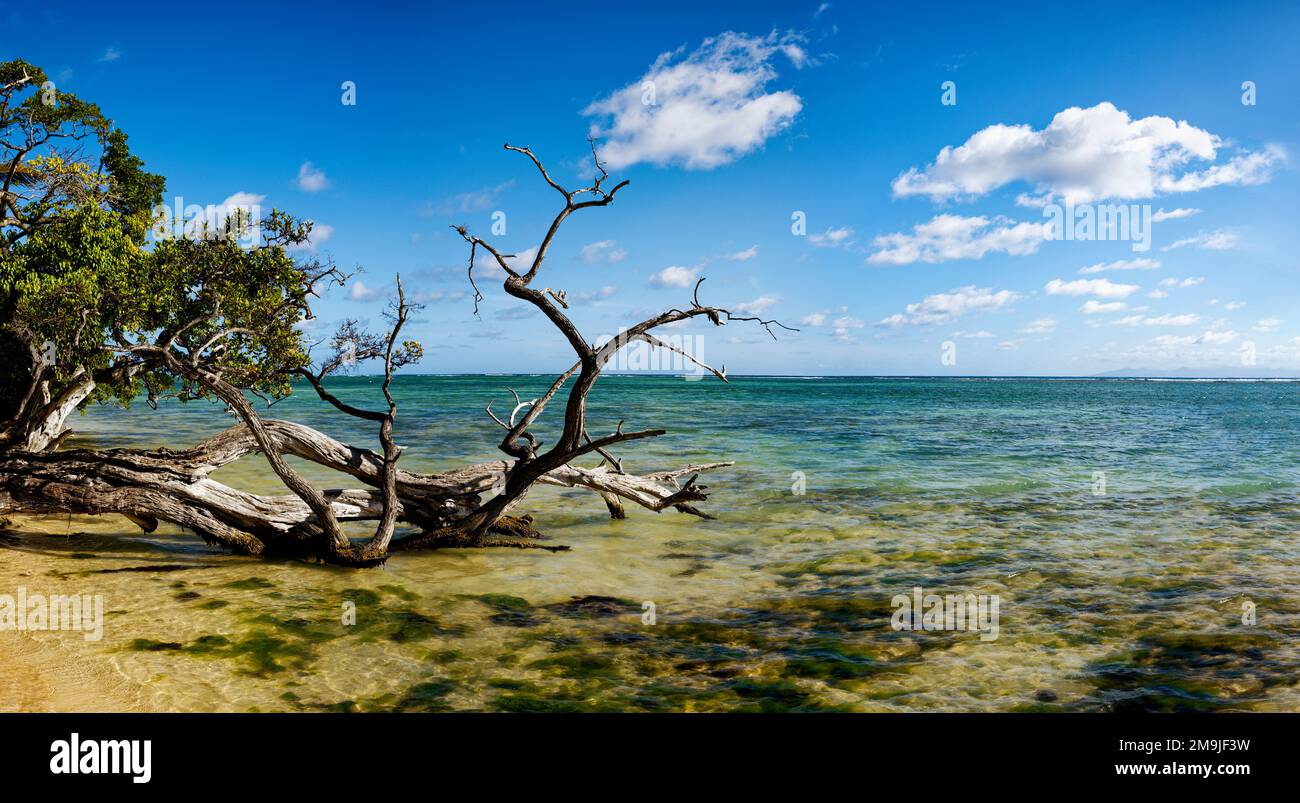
<point x="914" y="260"/>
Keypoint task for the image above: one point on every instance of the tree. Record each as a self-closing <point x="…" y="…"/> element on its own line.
<point x="210" y="317"/>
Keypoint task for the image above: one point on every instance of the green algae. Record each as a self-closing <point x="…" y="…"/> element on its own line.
<point x="250" y="584"/>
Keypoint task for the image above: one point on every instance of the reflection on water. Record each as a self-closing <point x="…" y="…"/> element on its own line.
<point x="1126" y="528"/>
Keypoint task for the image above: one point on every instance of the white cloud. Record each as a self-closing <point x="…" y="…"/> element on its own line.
<point x="946" y="237"/>
<point x="598" y="295"/>
<point x="1093" y="307"/>
<point x="358" y="291"/>
<point x="1173" y="214"/>
<point x="109" y="54"/>
<point x="1232" y="306"/>
<point x="1244" y="169"/>
<point x="1209" y="338"/>
<point x="487" y="267"/>
<point x="744" y="256"/>
<point x="944" y="308"/>
<point x="215" y="216"/>
<point x="320" y="232"/>
<point x="473" y="201"/>
<point x="1220" y="240"/>
<point x="311" y="179"/>
<point x="1040" y="326"/>
<point x="1101" y="288"/>
<point x="982" y="334"/>
<point x="843" y="326"/>
<point x="519" y="263"/>
<point x="711" y="106"/>
<point x="243" y="200"/>
<point x="1122" y="264"/>
<point x="675" y="276"/>
<point x="833" y="238"/>
<point x="1085" y="155"/>
<point x="602" y="251"/>
<point x="1190" y="281"/>
<point x="756" y="307"/>
<point x="1186" y="319"/>
<point x="1268" y="325"/>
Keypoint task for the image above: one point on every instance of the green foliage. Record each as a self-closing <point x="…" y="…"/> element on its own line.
<point x="69" y="283"/>
<point x="76" y="269"/>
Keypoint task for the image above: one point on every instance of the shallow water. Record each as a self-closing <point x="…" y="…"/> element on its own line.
<point x="1124" y="526"/>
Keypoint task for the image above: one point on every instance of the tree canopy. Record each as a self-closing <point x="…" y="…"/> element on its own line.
<point x="84" y="291"/>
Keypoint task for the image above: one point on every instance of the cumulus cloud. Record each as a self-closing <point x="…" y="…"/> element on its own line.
<point x="602" y="251"/>
<point x="1220" y="240"/>
<point x="1268" y="325"/>
<point x="842" y="328"/>
<point x="946" y="237"/>
<point x="1101" y="288"/>
<point x="487" y="267"/>
<point x="311" y="179"/>
<point x="1040" y="326"/>
<point x="942" y="308"/>
<point x="1094" y="307"/>
<point x="243" y="200"/>
<point x="675" y="276"/>
<point x="320" y="232"/>
<point x="1084" y="155"/>
<point x="1121" y="264"/>
<point x="359" y="291"/>
<point x="756" y="307"/>
<point x="709" y="107"/>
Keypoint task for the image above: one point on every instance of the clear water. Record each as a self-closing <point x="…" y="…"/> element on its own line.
<point x="1126" y="527"/>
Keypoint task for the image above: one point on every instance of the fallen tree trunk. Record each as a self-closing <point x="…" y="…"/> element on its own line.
<point x="175" y="486"/>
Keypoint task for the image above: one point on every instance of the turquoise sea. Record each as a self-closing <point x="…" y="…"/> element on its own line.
<point x="1141" y="537"/>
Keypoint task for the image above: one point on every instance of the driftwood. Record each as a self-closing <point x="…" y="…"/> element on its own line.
<point x="149" y="486"/>
<point x="466" y="507"/>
